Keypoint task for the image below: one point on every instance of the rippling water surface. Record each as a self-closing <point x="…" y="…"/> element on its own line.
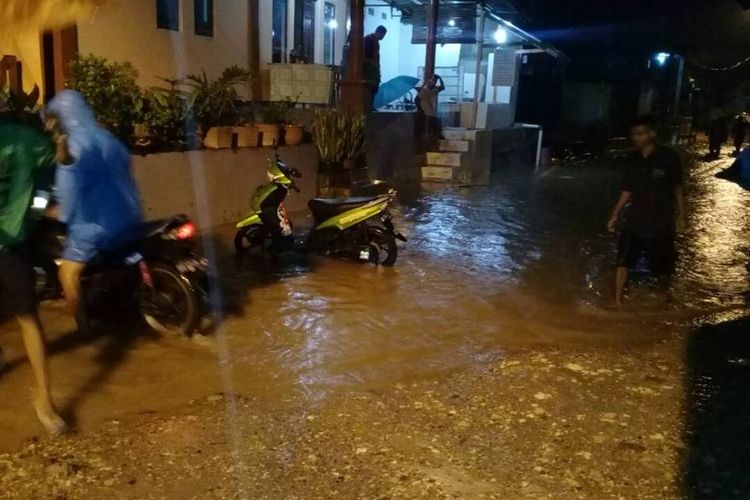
<point x="524" y="261"/>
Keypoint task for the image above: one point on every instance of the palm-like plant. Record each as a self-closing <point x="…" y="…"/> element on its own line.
<point x="339" y="136"/>
<point x="212" y="102"/>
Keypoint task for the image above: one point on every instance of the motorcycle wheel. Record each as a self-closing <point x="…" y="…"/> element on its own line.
<point x="169" y="306"/>
<point x="383" y="248"/>
<point x="248" y="238"/>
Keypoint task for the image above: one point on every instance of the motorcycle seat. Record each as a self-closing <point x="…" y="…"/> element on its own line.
<point x="153" y="228"/>
<point x="325" y="208"/>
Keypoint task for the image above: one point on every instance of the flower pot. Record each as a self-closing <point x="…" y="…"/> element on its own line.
<point x="219" y="137"/>
<point x="293" y="134"/>
<point x="269" y="133"/>
<point x="247" y="136"/>
<point x="140" y="130"/>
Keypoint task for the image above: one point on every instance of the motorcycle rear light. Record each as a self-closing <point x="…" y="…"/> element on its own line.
<point x="185" y="231"/>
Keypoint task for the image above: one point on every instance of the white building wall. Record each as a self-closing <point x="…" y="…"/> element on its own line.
<point x="125" y="30"/>
<point x="398" y="56"/>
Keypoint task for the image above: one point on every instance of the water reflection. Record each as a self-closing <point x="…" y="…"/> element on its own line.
<point x="524" y="261"/>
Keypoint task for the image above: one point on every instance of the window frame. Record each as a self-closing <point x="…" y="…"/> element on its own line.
<point x="163" y="19"/>
<point x="329" y="34"/>
<point x="201" y="28"/>
<point x="279" y="51"/>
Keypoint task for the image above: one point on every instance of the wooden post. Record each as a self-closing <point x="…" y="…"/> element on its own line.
<point x="353" y="88"/>
<point x="253" y="48"/>
<point x="429" y="58"/>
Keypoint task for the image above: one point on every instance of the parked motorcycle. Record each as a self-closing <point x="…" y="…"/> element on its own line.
<point x="359" y="228"/>
<point x="159" y="270"/>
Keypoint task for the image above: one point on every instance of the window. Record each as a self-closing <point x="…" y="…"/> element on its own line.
<point x="168" y="14"/>
<point x="278" y="32"/>
<point x="329" y="33"/>
<point x="204" y="17"/>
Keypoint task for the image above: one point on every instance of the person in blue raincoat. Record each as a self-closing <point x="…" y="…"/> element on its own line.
<point x="97" y="195"/>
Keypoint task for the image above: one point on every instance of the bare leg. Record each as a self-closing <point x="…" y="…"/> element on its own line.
<point x="621" y="277"/>
<point x="70" y="280"/>
<point x="33" y="339"/>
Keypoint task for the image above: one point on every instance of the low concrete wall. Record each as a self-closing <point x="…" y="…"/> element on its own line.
<point x="392" y="147"/>
<point x="213" y="186"/>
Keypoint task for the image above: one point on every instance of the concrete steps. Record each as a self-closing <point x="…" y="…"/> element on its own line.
<point x="451" y="162"/>
<point x="459" y="134"/>
<point x="444" y="159"/>
<point x="454" y="145"/>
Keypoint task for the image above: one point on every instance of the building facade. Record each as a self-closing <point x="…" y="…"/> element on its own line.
<point x="171" y="38"/>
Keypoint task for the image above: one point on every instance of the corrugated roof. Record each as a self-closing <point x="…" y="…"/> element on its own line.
<point x="498" y="7"/>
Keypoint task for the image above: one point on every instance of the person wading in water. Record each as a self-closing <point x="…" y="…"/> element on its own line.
<point x="652" y="186"/>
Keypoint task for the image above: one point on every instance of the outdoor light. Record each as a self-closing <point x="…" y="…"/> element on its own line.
<point x="348" y="24"/>
<point x="501" y="35"/>
<point x="333" y="24"/>
<point x="662" y="57"/>
<point x="452" y="23"/>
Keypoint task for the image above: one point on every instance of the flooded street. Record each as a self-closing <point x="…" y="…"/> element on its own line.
<point x="513" y="278"/>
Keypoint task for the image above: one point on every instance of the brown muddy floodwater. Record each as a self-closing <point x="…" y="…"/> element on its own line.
<point x="523" y="262"/>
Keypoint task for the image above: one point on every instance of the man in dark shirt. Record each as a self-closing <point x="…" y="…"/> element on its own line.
<point x="372" y="60"/>
<point x="652" y="186"/>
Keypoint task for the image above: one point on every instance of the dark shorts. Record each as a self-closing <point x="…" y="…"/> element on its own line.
<point x="659" y="252"/>
<point x="17" y="285"/>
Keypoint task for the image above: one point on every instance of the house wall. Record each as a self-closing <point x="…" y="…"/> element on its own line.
<point x="26" y="47"/>
<point x="213" y="187"/>
<point x="398" y="55"/>
<point x="125" y="30"/>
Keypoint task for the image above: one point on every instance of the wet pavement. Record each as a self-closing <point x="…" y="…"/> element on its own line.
<point x="490" y="276"/>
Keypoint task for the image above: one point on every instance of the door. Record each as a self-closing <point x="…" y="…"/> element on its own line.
<point x="59" y="48"/>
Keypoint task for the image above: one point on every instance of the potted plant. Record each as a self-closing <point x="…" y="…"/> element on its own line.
<point x="213" y="103"/>
<point x="274" y="115"/>
<point x="163" y="111"/>
<point x="340" y="140"/>
<point x="294" y="133"/>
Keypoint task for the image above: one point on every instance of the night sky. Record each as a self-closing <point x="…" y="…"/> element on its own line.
<point x="597" y="34"/>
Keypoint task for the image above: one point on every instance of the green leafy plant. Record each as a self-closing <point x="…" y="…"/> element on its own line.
<point x="110" y="88"/>
<point x="20" y="105"/>
<point x="339" y="136"/>
<point x="164" y="110"/>
<point x="213" y="102"/>
<point x="19" y="102"/>
<point x="278" y="111"/>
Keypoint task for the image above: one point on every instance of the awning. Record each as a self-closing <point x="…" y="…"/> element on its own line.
<point x="457" y="23"/>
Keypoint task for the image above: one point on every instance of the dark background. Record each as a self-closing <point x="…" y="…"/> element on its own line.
<point x="612" y="43"/>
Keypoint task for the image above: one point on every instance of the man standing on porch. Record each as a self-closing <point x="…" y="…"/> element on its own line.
<point x="372" y="60"/>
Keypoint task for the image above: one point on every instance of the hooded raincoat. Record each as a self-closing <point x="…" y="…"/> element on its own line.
<point x="99" y="200"/>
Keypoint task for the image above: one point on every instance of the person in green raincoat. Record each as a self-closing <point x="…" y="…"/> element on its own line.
<point x="27" y="155"/>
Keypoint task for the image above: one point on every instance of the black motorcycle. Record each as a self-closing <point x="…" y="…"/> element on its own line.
<point x="159" y="273"/>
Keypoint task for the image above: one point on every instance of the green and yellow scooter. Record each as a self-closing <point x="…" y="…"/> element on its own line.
<point x="358" y="228"/>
